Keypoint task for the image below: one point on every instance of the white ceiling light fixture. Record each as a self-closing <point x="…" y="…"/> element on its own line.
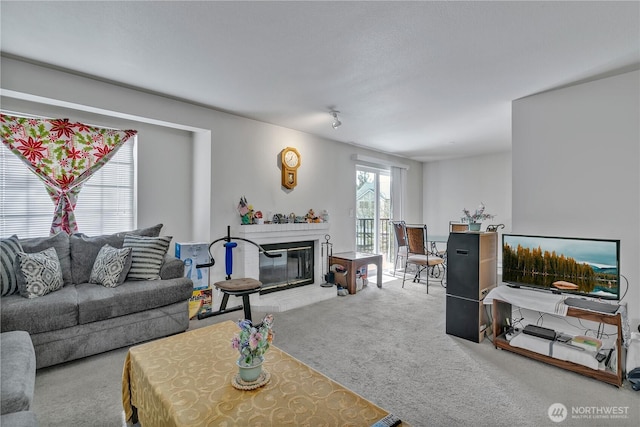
<point x="336" y="122"/>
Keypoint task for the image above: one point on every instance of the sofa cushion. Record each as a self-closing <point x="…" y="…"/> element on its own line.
<point x="147" y="256"/>
<point x="84" y="249"/>
<point x="97" y="303"/>
<point x="172" y="268"/>
<point x="39" y="273"/>
<point x="111" y="266"/>
<point x="53" y="311"/>
<point x="9" y="248"/>
<point x="60" y="242"/>
<point x="19" y="419"/>
<point x="18" y="371"/>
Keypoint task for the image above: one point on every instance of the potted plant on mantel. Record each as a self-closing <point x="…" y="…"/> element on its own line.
<point x="475" y="219"/>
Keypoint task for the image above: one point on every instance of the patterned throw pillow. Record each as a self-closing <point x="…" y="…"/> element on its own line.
<point x="147" y="256"/>
<point x="59" y="242"/>
<point x="9" y="248"/>
<point x="84" y="249"/>
<point x="38" y="273"/>
<point x="111" y="266"/>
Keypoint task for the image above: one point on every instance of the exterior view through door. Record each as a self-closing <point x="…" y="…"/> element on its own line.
<point x="373" y="212"/>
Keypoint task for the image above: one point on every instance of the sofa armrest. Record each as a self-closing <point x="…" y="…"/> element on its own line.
<point x="172" y="268"/>
<point x="19" y="419"/>
<point x="18" y="371"/>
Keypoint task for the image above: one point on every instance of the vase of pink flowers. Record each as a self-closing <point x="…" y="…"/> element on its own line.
<point x="252" y="342"/>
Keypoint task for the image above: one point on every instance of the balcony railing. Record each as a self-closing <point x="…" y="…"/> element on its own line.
<point x="365" y="236"/>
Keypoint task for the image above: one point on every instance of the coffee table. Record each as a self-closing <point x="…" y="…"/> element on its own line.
<point x="185" y="380"/>
<point x="352" y="261"/>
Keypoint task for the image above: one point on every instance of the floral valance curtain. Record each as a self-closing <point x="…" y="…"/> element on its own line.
<point x="63" y="155"/>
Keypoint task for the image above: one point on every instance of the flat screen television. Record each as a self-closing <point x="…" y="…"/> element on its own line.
<point x="589" y="267"/>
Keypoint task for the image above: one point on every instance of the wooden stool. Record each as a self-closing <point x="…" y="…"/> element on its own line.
<point x="238" y="287"/>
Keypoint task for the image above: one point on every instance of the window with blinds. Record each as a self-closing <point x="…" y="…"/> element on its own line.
<point x="106" y="204"/>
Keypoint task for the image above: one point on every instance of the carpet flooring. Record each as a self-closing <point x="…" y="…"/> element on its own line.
<point x="389" y="345"/>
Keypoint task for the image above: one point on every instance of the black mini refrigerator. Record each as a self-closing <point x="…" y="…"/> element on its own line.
<point x="472" y="262"/>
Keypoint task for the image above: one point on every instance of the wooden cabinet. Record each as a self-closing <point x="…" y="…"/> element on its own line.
<point x="472" y="259"/>
<point x="502" y="311"/>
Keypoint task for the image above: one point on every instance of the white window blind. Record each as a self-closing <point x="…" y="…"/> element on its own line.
<point x="106" y="204"/>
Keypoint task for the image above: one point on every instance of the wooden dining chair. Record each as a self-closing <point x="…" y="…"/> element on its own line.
<point x="494" y="227"/>
<point x="402" y="244"/>
<point x="458" y="227"/>
<point x="421" y="257"/>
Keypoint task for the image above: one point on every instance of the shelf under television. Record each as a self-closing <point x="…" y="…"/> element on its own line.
<point x="502" y="310"/>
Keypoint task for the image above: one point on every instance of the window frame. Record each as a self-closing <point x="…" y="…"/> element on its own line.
<point x="33" y="218"/>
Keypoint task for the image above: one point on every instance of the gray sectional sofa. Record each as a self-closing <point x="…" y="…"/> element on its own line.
<point x="82" y="319"/>
<point x="18" y="378"/>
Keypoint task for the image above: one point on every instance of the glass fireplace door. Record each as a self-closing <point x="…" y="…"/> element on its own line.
<point x="293" y="268"/>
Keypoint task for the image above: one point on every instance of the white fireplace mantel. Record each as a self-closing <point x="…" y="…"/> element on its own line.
<point x="281" y="233"/>
<point x="263" y="234"/>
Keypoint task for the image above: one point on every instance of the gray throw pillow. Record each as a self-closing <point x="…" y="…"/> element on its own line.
<point x="147" y="256"/>
<point x="84" y="249"/>
<point x="111" y="266"/>
<point x="60" y="242"/>
<point x="38" y="273"/>
<point x="9" y="248"/>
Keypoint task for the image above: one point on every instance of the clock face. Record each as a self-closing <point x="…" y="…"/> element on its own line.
<point x="291" y="159"/>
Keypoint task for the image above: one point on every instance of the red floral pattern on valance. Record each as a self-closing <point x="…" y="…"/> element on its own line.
<point x="63" y="155"/>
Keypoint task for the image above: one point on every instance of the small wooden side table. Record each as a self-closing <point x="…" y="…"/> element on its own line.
<point x="352" y="261"/>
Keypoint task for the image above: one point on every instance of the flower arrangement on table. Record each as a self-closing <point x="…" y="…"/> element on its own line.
<point x="477" y="216"/>
<point x="252" y="342"/>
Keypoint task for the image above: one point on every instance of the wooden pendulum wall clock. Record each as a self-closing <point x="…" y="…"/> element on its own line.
<point x="290" y="164"/>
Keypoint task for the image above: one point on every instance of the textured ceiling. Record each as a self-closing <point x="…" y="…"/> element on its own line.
<point x="424" y="80"/>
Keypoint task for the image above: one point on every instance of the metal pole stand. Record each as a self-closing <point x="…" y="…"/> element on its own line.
<point x="327" y="274"/>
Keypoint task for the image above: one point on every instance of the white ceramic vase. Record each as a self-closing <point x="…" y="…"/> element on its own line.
<point x="250" y="373"/>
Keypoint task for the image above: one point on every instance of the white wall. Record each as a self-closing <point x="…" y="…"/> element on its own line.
<point x="576" y="152"/>
<point x="242" y="159"/>
<point x="451" y="185"/>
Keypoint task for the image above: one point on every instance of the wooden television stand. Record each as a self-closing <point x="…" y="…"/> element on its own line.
<point x="503" y="311"/>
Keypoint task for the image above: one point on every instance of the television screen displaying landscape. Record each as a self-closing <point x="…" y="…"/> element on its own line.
<point x="574" y="265"/>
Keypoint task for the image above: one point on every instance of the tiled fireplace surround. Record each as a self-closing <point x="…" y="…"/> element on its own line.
<point x="282" y="233"/>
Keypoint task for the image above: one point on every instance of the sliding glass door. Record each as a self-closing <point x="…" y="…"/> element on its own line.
<point x="373" y="210"/>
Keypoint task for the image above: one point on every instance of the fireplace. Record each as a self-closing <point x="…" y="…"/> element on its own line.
<point x="295" y="266"/>
<point x="289" y="295"/>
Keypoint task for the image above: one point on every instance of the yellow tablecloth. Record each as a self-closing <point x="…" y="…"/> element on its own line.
<point x="185" y="380"/>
